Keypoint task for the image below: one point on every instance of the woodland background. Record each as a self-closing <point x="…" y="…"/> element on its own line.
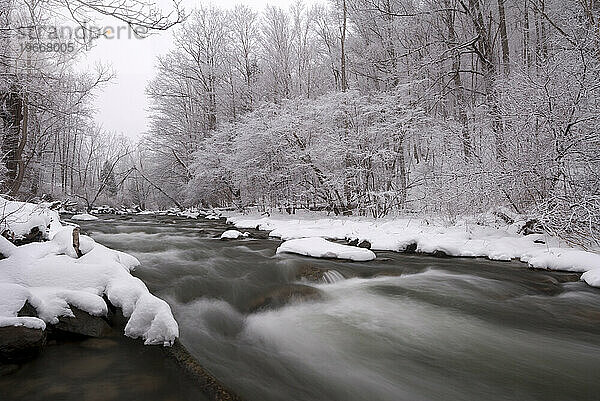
<point x="362" y="107"/>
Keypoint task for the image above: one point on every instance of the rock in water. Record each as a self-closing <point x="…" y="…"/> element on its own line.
<point x="211" y="387"/>
<point x="311" y="273"/>
<point x="281" y="296"/>
<point x="317" y="274"/>
<point x="364" y="244"/>
<point x="19" y="343"/>
<point x="83" y="324"/>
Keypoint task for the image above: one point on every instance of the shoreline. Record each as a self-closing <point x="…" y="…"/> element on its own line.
<point x="420" y="236"/>
<point x="63" y="332"/>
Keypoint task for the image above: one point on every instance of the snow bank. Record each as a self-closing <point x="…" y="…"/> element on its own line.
<point x="21" y="217"/>
<point x="84" y="217"/>
<point x="51" y="278"/>
<point x="233" y="234"/>
<point x="463" y="239"/>
<point x="321" y="248"/>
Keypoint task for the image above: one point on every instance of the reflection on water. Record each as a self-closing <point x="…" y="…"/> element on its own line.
<point x="402" y="327"/>
<point x="114" y="368"/>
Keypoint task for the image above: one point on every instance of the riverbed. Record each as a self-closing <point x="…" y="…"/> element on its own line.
<point x="401" y="327"/>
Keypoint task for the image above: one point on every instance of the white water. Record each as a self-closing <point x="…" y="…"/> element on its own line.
<point x="426" y="329"/>
<point x="332" y="276"/>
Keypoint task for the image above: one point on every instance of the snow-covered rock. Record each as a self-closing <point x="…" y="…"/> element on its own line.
<point x="50" y="277"/>
<point x="233" y="234"/>
<point x="318" y="247"/>
<point x="146" y="213"/>
<point x="189" y="215"/>
<point x="84" y="217"/>
<point x="21" y="217"/>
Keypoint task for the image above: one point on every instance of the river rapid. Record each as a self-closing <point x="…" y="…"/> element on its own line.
<point x="399" y="328"/>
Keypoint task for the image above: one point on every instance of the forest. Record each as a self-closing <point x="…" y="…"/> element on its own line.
<point x="358" y="107"/>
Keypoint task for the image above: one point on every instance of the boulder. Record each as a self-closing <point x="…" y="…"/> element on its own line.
<point x="35" y="235"/>
<point x="364" y="244"/>
<point x="19" y="343"/>
<point x="353" y="242"/>
<point x="311" y="273"/>
<point x="411" y="248"/>
<point x="82" y="324"/>
<point x="532" y="226"/>
<point x="318" y="274"/>
<point x="283" y="295"/>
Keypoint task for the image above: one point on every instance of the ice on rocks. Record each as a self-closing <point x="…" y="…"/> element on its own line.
<point x="321" y="248"/>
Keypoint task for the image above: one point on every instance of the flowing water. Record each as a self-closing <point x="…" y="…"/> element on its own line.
<point x="402" y="327"/>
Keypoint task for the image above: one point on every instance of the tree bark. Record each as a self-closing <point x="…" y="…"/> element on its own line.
<point x="19" y="153"/>
<point x="343" y="80"/>
<point x="504" y="37"/>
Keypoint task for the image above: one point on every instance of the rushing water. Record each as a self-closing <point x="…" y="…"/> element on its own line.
<point x="402" y="327"/>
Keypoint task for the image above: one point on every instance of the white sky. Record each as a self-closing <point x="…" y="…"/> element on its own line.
<point x="122" y="105"/>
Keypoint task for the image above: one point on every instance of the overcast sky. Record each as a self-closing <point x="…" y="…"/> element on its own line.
<point x="122" y="105"/>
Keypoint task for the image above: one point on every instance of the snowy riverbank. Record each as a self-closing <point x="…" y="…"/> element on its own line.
<point x="62" y="273"/>
<point x="465" y="238"/>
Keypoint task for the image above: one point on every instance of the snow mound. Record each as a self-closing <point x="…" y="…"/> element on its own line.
<point x="318" y="247"/>
<point x="84" y="217"/>
<point x="52" y="279"/>
<point x="233" y="234"/>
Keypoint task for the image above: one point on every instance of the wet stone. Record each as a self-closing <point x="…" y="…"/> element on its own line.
<point x="281" y="296"/>
<point x="18" y="343"/>
<point x="364" y="244"/>
<point x="82" y="324"/>
<point x="311" y="273"/>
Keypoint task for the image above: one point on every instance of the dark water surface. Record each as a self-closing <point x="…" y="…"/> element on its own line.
<point x="400" y="328"/>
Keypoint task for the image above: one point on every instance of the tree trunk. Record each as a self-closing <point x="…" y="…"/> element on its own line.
<point x="11" y="143"/>
<point x="344" y="81"/>
<point x="504" y="37"/>
<point x="458" y="86"/>
<point x="19" y="154"/>
<point x="526" y="36"/>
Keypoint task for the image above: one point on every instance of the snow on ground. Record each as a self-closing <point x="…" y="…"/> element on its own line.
<point x="51" y="278"/>
<point x="233" y="234"/>
<point x="84" y="217"/>
<point x="318" y="247"/>
<point x="463" y="238"/>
